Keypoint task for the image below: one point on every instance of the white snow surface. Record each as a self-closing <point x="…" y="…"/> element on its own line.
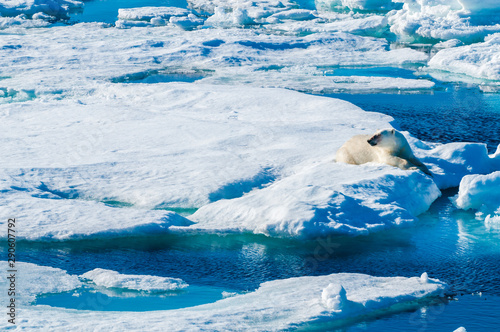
<point x="146" y="283"/>
<point x="148" y="13"/>
<point x="363" y="5"/>
<point x="188" y="22"/>
<point x="253" y="160"/>
<point x="438" y="20"/>
<point x="47" y="215"/>
<point x="20" y="21"/>
<point x="256" y="10"/>
<point x="481" y="60"/>
<point x="154" y="16"/>
<point x="323" y="199"/>
<point x="275" y="305"/>
<point x="85" y="54"/>
<point x="373" y="25"/>
<point x="480" y="192"/>
<point x="53" y="8"/>
<point x="33" y="280"/>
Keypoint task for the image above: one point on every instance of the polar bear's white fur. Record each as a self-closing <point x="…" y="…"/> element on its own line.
<point x="387" y="146"/>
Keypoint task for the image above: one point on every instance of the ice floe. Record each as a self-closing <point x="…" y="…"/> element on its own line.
<point x="32" y="280"/>
<point x="154" y="16"/>
<point x="188" y="22"/>
<point x="324" y="199"/>
<point x="427" y="20"/>
<point x="21" y="21"/>
<point x="83" y="53"/>
<point x="39" y="9"/>
<point x="275" y="305"/>
<point x="256" y="10"/>
<point x="480" y="192"/>
<point x="253" y="160"/>
<point x="45" y="215"/>
<point x="146" y="283"/>
<point x="361" y="5"/>
<point x="225" y="18"/>
<point x="316" y="82"/>
<point x="480" y="60"/>
<point x="451" y="162"/>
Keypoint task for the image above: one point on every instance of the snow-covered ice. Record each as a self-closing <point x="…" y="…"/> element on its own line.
<point x="87" y="54"/>
<point x="230" y="151"/>
<point x="424" y="20"/>
<point x="451" y="162"/>
<point x="146" y="283"/>
<point x="480" y="60"/>
<point x="153" y="16"/>
<point x="275" y="305"/>
<point x="46" y="215"/>
<point x="373" y="25"/>
<point x="148" y="13"/>
<point x="480" y="192"/>
<point x="51" y="8"/>
<point x="324" y="199"/>
<point x="363" y="5"/>
<point x="33" y="280"/>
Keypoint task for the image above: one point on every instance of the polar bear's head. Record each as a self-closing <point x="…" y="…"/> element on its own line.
<point x="388" y="139"/>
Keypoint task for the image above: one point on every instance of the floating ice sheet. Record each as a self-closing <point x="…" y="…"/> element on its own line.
<point x="437" y="20"/>
<point x="72" y="173"/>
<point x="83" y="53"/>
<point x="275" y="305"/>
<point x="480" y="192"/>
<point x="32" y="280"/>
<point x="481" y="60"/>
<point x="51" y="8"/>
<point x="146" y="283"/>
<point x="324" y="199"/>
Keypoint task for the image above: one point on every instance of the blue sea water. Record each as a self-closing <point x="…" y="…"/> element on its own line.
<point x="449" y="244"/>
<point x="454" y="113"/>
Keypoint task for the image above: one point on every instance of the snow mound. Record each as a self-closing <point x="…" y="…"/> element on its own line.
<point x="334" y="297"/>
<point x="427" y="20"/>
<point x="481" y="60"/>
<point x="275" y="305"/>
<point x="152" y="284"/>
<point x="33" y="280"/>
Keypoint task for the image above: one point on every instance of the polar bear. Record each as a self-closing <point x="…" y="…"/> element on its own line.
<point x="387" y="146"/>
